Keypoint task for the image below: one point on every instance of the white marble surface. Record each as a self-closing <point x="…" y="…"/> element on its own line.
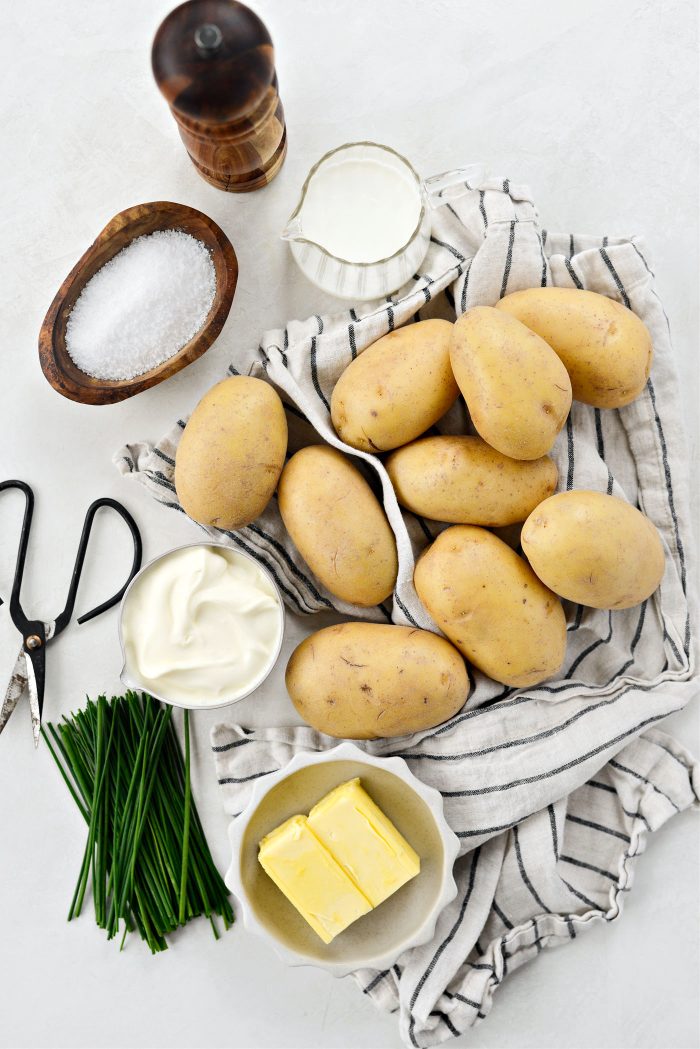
<point x="595" y="107"/>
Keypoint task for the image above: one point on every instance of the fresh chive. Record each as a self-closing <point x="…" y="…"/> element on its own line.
<point x="186" y="821"/>
<point x="146" y="854"/>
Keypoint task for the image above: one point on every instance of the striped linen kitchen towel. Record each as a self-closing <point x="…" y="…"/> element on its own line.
<point x="551" y="789"/>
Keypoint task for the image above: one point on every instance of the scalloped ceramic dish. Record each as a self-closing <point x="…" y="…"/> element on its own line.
<point x="407" y="919"/>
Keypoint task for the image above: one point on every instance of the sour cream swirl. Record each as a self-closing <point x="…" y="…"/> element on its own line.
<point x="201" y="625"/>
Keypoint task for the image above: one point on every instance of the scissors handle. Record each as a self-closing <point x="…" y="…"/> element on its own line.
<point x="15" y="607"/>
<point x="64" y="618"/>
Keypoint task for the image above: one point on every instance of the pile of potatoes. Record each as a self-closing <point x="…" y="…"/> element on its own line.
<point x="518" y="365"/>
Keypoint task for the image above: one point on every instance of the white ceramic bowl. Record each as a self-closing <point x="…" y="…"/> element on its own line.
<point x="407" y="919"/>
<point x="129" y="677"/>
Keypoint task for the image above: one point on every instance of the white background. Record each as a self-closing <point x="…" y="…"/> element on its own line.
<point x="594" y="106"/>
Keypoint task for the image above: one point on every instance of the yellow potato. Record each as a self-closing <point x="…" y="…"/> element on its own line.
<point x="492" y="606"/>
<point x="338" y="525"/>
<point x="231" y="453"/>
<point x="605" y="348"/>
<point x="463" y="480"/>
<point x="364" y="680"/>
<point x="517" y="390"/>
<point x="396" y="389"/>
<point x="594" y="549"/>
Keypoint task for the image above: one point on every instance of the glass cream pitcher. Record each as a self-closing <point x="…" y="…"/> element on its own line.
<point x="362" y="226"/>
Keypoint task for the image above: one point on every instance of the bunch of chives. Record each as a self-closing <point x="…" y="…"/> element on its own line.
<point x="146" y="854"/>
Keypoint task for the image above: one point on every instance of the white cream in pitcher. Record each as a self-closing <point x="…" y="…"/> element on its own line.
<point x="361" y="210"/>
<point x="201" y="625"/>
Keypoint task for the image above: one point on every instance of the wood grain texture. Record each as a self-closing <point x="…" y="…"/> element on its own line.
<point x="137" y="221"/>
<point x="226" y="104"/>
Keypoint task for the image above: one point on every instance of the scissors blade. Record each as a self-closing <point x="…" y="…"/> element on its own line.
<point x="15" y="688"/>
<point x="35" y="686"/>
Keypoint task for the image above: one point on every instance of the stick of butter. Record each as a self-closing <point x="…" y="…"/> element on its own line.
<point x="306" y="872"/>
<point x="340" y="862"/>
<point x="364" y="841"/>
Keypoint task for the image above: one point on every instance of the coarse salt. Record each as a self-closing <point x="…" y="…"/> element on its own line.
<point x="142" y="306"/>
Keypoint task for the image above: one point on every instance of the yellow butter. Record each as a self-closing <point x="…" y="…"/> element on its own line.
<point x="311" y="879"/>
<point x="364" y="841"/>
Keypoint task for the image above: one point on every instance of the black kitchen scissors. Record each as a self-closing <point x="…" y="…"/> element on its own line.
<point x="30" y="668"/>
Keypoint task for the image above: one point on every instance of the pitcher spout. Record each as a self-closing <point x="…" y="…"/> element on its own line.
<point x="292" y="231"/>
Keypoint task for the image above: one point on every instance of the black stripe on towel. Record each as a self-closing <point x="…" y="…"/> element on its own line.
<point x="589" y="867"/>
<point x="585" y="899"/>
<point x="615" y="275"/>
<point x="572" y="273"/>
<point x="532" y="698"/>
<point x="537" y="942"/>
<point x="405" y="611"/>
<point x="643" y="779"/>
<point x="591" y="648"/>
<point x="635" y="642"/>
<point x="523" y="873"/>
<point x="159" y="478"/>
<point x="164" y="457"/>
<point x="482" y="209"/>
<point x="521" y="741"/>
<point x="482" y="830"/>
<point x="553" y="827"/>
<point x="570" y="449"/>
<point x="426" y="289"/>
<point x="506" y="921"/>
<point x="246" y="779"/>
<point x="230" y="746"/>
<point x="288" y="560"/>
<point x="577" y="619"/>
<point x="171" y="506"/>
<point x="543" y="278"/>
<point x="376" y="980"/>
<point x="509" y="258"/>
<point x="600" y="786"/>
<point x="450" y="248"/>
<point x="445" y="943"/>
<point x="461" y="997"/>
<point x="662" y="440"/>
<point x="597" y="826"/>
<point x="498" y="787"/>
<point x="314" y="373"/>
<point x="463" y="301"/>
<point x="351" y="339"/>
<point x="447" y="1022"/>
<point x="504" y="957"/>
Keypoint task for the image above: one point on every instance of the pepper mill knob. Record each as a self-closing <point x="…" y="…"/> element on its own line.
<point x="213" y="61"/>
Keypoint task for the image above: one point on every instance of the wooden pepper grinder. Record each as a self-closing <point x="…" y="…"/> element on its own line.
<point x="213" y="61"/>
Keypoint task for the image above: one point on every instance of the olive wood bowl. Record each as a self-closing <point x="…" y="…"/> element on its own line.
<point x="135" y="222"/>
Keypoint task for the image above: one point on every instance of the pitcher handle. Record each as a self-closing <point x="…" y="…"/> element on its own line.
<point x="467" y="176"/>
